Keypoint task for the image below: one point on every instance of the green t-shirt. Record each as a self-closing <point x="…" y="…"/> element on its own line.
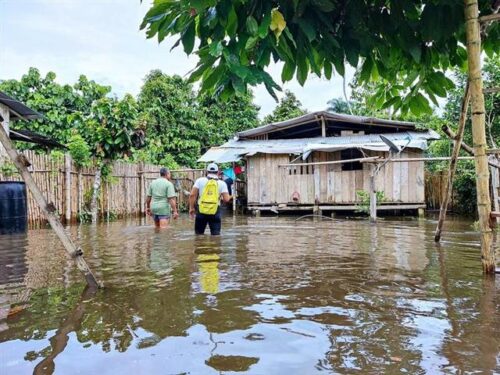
<point x="160" y="191"/>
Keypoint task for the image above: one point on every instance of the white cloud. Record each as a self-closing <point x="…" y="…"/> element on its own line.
<point x="101" y="39"/>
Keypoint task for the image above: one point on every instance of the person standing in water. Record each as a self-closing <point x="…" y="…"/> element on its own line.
<point x="161" y="200"/>
<point x="207" y="193"/>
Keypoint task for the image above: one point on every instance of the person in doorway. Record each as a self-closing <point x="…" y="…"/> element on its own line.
<point x="161" y="200"/>
<point x="204" y="201"/>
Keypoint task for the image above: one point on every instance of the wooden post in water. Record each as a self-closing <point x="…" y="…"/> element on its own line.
<point x="235" y="192"/>
<point x="373" y="195"/>
<point x="47" y="209"/>
<point x="67" y="187"/>
<point x="453" y="163"/>
<point x="473" y="42"/>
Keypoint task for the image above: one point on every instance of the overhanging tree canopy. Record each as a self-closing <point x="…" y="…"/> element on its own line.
<point x="413" y="42"/>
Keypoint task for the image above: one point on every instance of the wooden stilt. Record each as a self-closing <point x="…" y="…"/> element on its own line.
<point x="421" y="213"/>
<point x="473" y="42"/>
<point x="47" y="209"/>
<point x="453" y="163"/>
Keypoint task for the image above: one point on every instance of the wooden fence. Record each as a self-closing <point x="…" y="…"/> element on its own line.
<point x="123" y="193"/>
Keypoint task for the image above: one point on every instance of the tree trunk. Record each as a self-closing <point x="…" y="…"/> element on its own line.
<point x="95" y="193"/>
<point x="479" y="133"/>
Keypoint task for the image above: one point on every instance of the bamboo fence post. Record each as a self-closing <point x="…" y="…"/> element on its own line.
<point x="48" y="209"/>
<point x="141" y="189"/>
<point x="453" y="162"/>
<point x="67" y="187"/>
<point x="473" y="41"/>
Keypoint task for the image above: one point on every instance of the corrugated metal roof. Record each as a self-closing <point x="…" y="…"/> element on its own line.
<point x="32" y="137"/>
<point x="235" y="149"/>
<point x="18" y="109"/>
<point x="329" y="116"/>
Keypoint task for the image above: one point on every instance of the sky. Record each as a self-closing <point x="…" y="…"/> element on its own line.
<point x="101" y="39"/>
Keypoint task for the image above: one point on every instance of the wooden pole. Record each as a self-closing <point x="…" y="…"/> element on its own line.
<point x="4" y="122"/>
<point x="47" y="209"/>
<point x="142" y="202"/>
<point x="453" y="163"/>
<point x="67" y="187"/>
<point x="473" y="42"/>
<point x="373" y="196"/>
<point x="495" y="187"/>
<point x="234" y="192"/>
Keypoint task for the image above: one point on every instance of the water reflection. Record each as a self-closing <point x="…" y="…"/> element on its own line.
<point x="271" y="295"/>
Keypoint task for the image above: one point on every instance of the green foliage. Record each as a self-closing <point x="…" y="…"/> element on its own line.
<point x="7" y="168"/>
<point x="173" y="126"/>
<point x="57" y="155"/>
<point x="60" y="105"/>
<point x="363" y="204"/>
<point x="222" y="119"/>
<point x="464" y="187"/>
<point x="180" y="124"/>
<point x="79" y="150"/>
<point x="413" y="42"/>
<point x="288" y="107"/>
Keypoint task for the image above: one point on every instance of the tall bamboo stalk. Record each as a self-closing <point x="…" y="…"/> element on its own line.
<point x="473" y="38"/>
<point x="453" y="162"/>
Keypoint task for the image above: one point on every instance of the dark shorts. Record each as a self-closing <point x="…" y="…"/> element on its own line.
<point x="214" y="222"/>
<point x="160" y="217"/>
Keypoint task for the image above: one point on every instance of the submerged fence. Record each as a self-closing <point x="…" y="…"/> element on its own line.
<point x="123" y="192"/>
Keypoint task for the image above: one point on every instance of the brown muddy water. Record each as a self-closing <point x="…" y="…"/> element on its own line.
<point x="271" y="296"/>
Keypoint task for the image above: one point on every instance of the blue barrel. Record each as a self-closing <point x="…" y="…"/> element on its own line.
<point x="13" y="207"/>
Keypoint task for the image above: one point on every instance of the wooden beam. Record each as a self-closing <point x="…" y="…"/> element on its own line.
<point x="489" y="18"/>
<point x="47" y="209"/>
<point x="450" y="133"/>
<point x="453" y="163"/>
<point x="362" y="160"/>
<point x="491" y="90"/>
<point x="404" y="160"/>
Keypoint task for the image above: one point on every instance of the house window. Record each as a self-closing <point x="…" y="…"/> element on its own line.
<point x="349" y="154"/>
<point x="300" y="169"/>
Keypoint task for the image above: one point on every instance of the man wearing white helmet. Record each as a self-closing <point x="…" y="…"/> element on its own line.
<point x="204" y="201"/>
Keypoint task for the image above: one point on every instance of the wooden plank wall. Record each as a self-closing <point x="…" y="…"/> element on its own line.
<point x="401" y="182"/>
<point x="122" y="195"/>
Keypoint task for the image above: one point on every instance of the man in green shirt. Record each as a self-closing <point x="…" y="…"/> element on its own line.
<point x="161" y="200"/>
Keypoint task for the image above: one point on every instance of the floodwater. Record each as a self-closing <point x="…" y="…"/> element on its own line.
<point x="270" y="296"/>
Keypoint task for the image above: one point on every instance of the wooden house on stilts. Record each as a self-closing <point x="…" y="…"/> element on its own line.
<point x="322" y="160"/>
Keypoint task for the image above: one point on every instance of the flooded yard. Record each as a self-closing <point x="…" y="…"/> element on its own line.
<point x="270" y="296"/>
